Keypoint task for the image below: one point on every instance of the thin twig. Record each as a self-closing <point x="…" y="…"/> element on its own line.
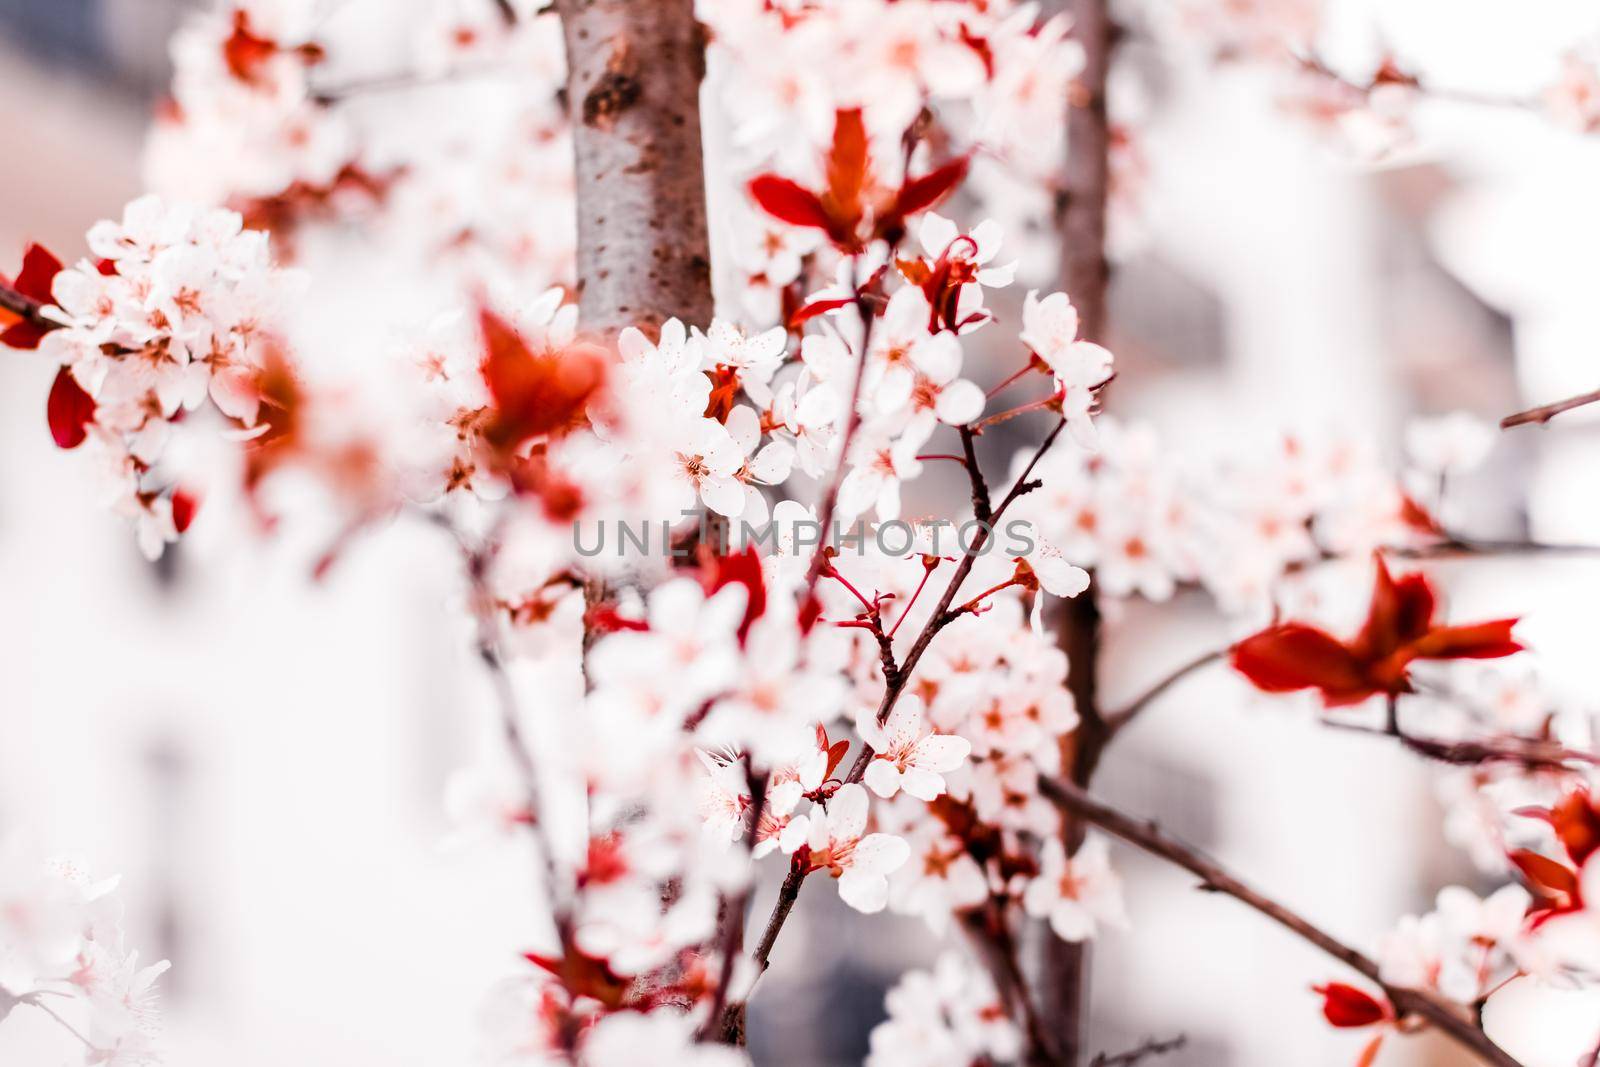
<point x="1475" y="751"/>
<point x="788" y="893"/>
<point x="1448" y="1017"/>
<point x="895" y="685"/>
<point x="991" y="936"/>
<point x="1545" y="412"/>
<point x="34" y="1002"/>
<point x="1151" y="1047"/>
<point x="830" y="495"/>
<point x="25" y="306"/>
<point x="1117" y="720"/>
<point x="942" y="615"/>
<point x="489" y="653"/>
<point x="731" y="936"/>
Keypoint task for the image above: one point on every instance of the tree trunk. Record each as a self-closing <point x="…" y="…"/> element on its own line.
<point x="633" y="87"/>
<point x="1080" y="215"/>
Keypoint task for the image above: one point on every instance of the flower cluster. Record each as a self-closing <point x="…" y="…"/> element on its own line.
<point x="177" y="310"/>
<point x="949" y="1016"/>
<point x="63" y="954"/>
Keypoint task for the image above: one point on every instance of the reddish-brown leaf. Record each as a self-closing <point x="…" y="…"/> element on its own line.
<point x="1576" y="822"/>
<point x="184" y="506"/>
<point x="1554" y="883"/>
<point x="1348" y="1007"/>
<point x="1400" y="612"/>
<point x="38" y="274"/>
<point x="535" y="393"/>
<point x="69" y="410"/>
<point x="34" y="281"/>
<point x="739" y="568"/>
<point x="789" y="202"/>
<point x="848" y="163"/>
<point x="818" y="307"/>
<point x="920" y="194"/>
<point x="1483" y="640"/>
<point x="1291" y="656"/>
<point x="244" y="52"/>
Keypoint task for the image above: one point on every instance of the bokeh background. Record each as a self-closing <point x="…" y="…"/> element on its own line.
<point x="262" y="757"/>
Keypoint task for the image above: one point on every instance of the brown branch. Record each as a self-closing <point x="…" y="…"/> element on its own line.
<point x="1150" y="1048"/>
<point x="895" y="686"/>
<point x="727" y="1027"/>
<point x="1391" y="75"/>
<point x="830" y="495"/>
<point x="1418" y="1003"/>
<point x="1465" y="546"/>
<point x="26" y="307"/>
<point x="488" y="647"/>
<point x="1118" y="720"/>
<point x="633" y="88"/>
<point x="1081" y="208"/>
<point x="942" y="615"/>
<point x="788" y="893"/>
<point x="1545" y="412"/>
<point x="1529" y="752"/>
<point x="990" y="934"/>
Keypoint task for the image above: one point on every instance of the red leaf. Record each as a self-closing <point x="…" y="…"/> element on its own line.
<point x="1348" y="1007"/>
<point x="789" y="202"/>
<point x="24" y="335"/>
<point x="739" y="568"/>
<point x="1282" y="659"/>
<point x="34" y="281"/>
<point x="1369" y="1054"/>
<point x="1555" y="883"/>
<point x="847" y="163"/>
<point x="1418" y="517"/>
<point x="39" y="270"/>
<point x="583" y="975"/>
<point x="1484" y="640"/>
<point x="534" y="394"/>
<point x="922" y="193"/>
<point x="184" y="505"/>
<point x="1576" y="822"/>
<point x="70" y="410"/>
<point x="818" y="307"/>
<point x="1400" y="612"/>
<point x="244" y="52"/>
<point x="604" y="619"/>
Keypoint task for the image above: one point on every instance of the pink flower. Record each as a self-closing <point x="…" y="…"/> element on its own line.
<point x="860" y="861"/>
<point x="907" y="754"/>
<point x="1050" y="329"/>
<point x="1077" y="894"/>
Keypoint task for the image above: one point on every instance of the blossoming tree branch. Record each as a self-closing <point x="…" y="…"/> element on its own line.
<point x="732" y="274"/>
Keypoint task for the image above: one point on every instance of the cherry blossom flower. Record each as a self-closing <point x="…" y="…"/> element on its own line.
<point x="880" y="461"/>
<point x="771" y="708"/>
<point x="1460" y="950"/>
<point x="1050" y="330"/>
<point x="1077" y="894"/>
<point x="940" y="878"/>
<point x="624" y="1039"/>
<point x="861" y="862"/>
<point x="906" y="754"/>
<point x="950" y="1016"/>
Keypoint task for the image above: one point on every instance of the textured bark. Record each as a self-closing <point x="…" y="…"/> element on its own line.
<point x="1085" y="181"/>
<point x="1080" y="216"/>
<point x="633" y="87"/>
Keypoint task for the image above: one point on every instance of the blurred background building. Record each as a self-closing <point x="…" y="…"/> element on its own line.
<point x="262" y="757"/>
